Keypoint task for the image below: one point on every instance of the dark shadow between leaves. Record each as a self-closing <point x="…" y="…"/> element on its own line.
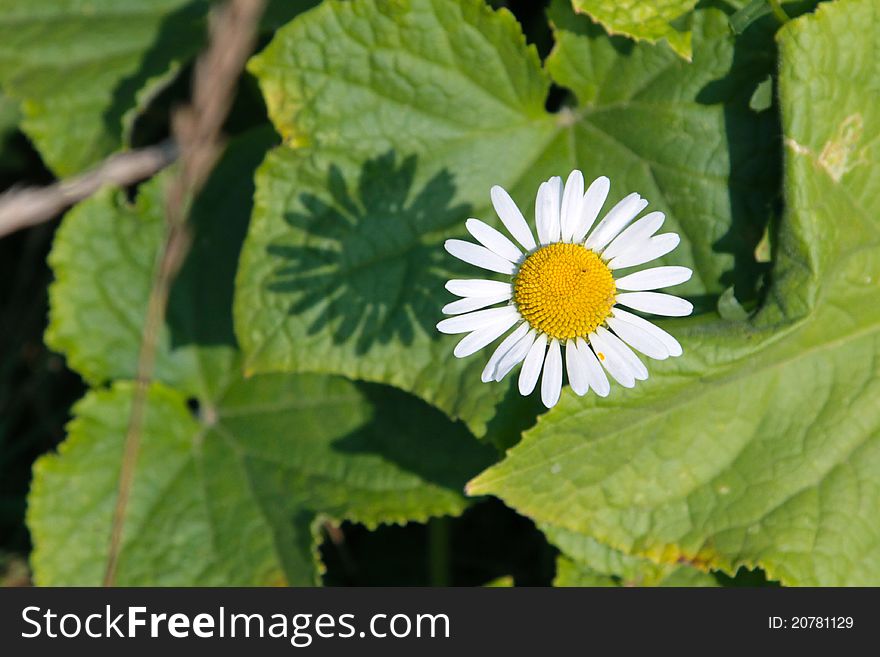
<point x="365" y="265"/>
<point x="418" y="438"/>
<point x="200" y="305"/>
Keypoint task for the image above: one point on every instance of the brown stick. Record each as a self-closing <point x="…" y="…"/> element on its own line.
<point x="28" y="206"/>
<point x="196" y="130"/>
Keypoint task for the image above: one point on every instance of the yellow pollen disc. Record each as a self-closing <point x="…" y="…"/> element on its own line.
<point x="564" y="290"/>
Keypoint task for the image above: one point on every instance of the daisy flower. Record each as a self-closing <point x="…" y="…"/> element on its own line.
<point x="564" y="293"/>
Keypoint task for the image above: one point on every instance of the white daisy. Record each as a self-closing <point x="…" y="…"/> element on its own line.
<point x="563" y="293"/>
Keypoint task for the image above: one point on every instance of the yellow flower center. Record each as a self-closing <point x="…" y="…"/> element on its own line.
<point x="564" y="290"/>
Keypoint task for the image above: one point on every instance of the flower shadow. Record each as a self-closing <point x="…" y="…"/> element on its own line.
<point x="371" y="267"/>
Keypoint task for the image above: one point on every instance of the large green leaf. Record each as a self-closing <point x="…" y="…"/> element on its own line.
<point x="103" y="260"/>
<point x="397" y="119"/>
<point x="81" y="69"/>
<point x="229" y="494"/>
<point x="231" y="497"/>
<point x="648" y="20"/>
<point x="760" y="446"/>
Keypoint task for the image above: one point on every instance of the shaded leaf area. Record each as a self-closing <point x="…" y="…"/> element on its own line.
<point x="711" y="167"/>
<point x="338" y="277"/>
<point x="759" y="446"/>
<point x="103" y="260"/>
<point x="365" y="267"/>
<point x="230" y="493"/>
<point x="97" y="65"/>
<point x="645" y="20"/>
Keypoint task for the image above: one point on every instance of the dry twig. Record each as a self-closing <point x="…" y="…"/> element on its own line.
<point x="196" y="130"/>
<point x="28" y="206"/>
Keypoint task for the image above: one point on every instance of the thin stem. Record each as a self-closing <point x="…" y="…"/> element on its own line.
<point x="29" y="206"/>
<point x="778" y="11"/>
<point x="439" y="566"/>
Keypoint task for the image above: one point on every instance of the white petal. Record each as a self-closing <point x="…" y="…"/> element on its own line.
<point x="615" y="221"/>
<point x="595" y="376"/>
<point x="493" y="240"/>
<point x="503" y="348"/>
<point x="512" y="218"/>
<point x="639" y="232"/>
<point x="531" y="369"/>
<point x="515" y="355"/>
<point x="576" y="368"/>
<point x="572" y="199"/>
<point x="468" y="304"/>
<point x="638" y="338"/>
<point x="477" y="320"/>
<point x="551" y="382"/>
<point x="671" y="344"/>
<point x="656" y="303"/>
<point x="641" y="252"/>
<point x="592" y="204"/>
<point x="478" y="287"/>
<point x="652" y="279"/>
<point x="481" y="337"/>
<point x="613" y="362"/>
<point x="637" y="367"/>
<point x="479" y="256"/>
<point x="547" y="210"/>
<point x="635" y="364"/>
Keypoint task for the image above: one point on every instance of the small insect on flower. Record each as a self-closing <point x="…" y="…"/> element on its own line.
<point x="563" y="292"/>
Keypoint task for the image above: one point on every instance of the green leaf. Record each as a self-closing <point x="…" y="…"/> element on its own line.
<point x="343" y="268"/>
<point x="586" y="562"/>
<point x="503" y="582"/>
<point x="103" y="259"/>
<point x="760" y="446"/>
<point x="729" y="306"/>
<point x="645" y="20"/>
<point x="233" y="496"/>
<point x="680" y="134"/>
<point x="762" y="99"/>
<point x="81" y="73"/>
<point x="230" y="494"/>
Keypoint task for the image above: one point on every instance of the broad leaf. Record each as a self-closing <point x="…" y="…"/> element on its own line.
<point x="229" y="494"/>
<point x="645" y="20"/>
<point x="391" y="142"/>
<point x="104" y="257"/>
<point x="91" y="69"/>
<point x="83" y="71"/>
<point x="760" y="446"/>
<point x="232" y="497"/>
